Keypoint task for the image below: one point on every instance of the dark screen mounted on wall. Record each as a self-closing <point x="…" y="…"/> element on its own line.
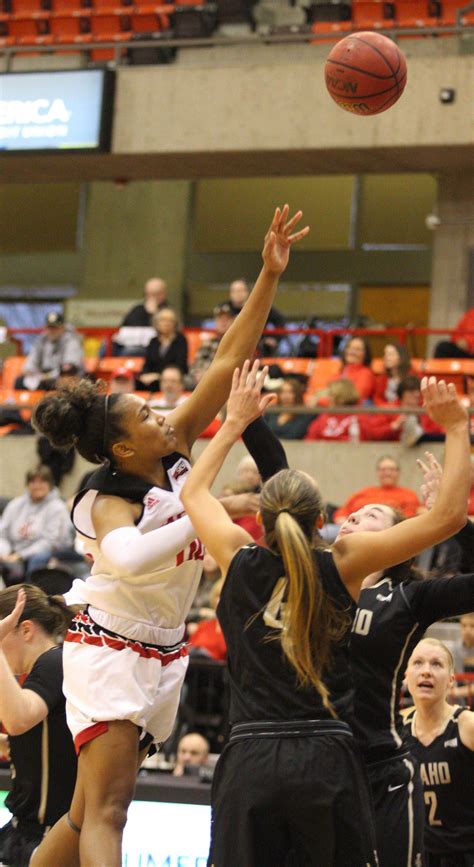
<point x="56" y="111"/>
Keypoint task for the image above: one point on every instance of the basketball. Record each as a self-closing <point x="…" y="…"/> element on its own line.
<point x="365" y="73"/>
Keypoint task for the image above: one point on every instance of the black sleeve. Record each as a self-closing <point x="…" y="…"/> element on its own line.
<point x="46" y="677"/>
<point x="276" y="318"/>
<point x="182" y="353"/>
<point x="151" y="357"/>
<point x="436" y="598"/>
<point x="465" y="540"/>
<point x="265" y="448"/>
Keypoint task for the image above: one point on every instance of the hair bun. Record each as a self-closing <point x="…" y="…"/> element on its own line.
<point x="62" y="417"/>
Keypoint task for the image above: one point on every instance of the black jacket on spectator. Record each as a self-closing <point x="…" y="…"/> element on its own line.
<point x="176" y="354"/>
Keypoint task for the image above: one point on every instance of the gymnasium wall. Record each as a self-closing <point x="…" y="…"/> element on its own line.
<point x="349" y="466"/>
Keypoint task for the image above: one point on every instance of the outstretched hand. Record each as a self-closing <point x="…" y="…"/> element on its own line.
<point x="442" y="403"/>
<point x="432" y="475"/>
<point x="279" y="239"/>
<point x="246" y="402"/>
<point x="10" y="622"/>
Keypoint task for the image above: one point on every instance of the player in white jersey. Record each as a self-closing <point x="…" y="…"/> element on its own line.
<point x="124" y="659"/>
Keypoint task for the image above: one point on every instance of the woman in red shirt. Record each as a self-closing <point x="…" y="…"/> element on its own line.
<point x="356" y="359"/>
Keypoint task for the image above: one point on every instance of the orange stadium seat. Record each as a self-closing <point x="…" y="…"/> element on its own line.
<point x="302" y="366"/>
<point x="29" y="9"/>
<point x="108" y="28"/>
<point x="194" y="340"/>
<point x="28" y="31"/>
<point x="372" y="15"/>
<point x="449" y="10"/>
<point x="68" y="8"/>
<point x="415" y="13"/>
<point x="26" y="401"/>
<point x="69" y="29"/>
<point x="337" y="28"/>
<point x="12" y="367"/>
<point x="324" y="371"/>
<point x="110" y="6"/>
<point x="106" y="366"/>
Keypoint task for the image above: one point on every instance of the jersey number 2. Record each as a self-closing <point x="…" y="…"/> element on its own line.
<point x="431" y="801"/>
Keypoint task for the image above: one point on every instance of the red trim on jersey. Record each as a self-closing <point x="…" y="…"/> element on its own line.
<point x="124" y="644"/>
<point x="89" y="734"/>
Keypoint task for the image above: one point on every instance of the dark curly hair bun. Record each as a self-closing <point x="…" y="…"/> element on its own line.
<point x="74" y="416"/>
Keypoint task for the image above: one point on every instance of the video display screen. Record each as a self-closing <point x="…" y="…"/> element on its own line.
<point x="53" y="111"/>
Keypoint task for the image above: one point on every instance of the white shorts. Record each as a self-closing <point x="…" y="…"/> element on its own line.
<point x="110" y="677"/>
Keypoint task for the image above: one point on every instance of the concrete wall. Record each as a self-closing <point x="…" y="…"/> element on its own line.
<point x="339" y="468"/>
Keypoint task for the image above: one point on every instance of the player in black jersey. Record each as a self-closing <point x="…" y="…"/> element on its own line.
<point x="41" y="749"/>
<point x="273" y="789"/>
<point x="394" y="611"/>
<point x="442" y="739"/>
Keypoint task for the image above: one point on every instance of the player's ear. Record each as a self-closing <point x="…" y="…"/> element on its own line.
<point x="122" y="451"/>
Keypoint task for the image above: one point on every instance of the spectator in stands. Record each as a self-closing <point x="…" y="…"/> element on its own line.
<point x="33" y="526"/>
<point x="135" y="330"/>
<point x="356" y="361"/>
<point x="122" y="381"/>
<point x="172" y="391"/>
<point x="239" y="291"/>
<point x="193" y="751"/>
<point x="329" y="426"/>
<point x="57" y="348"/>
<point x="288" y="424"/>
<point x="407" y="428"/>
<point x="461" y="344"/>
<point x="463" y="649"/>
<point x="223" y="319"/>
<point x="141" y="316"/>
<point x="169" y="347"/>
<point x="396" y="364"/>
<point x="387" y="493"/>
<point x="206" y="637"/>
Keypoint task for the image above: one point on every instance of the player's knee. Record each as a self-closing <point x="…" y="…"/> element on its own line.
<point x="113" y="812"/>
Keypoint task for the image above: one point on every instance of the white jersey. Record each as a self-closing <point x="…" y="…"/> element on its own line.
<point x="161" y="598"/>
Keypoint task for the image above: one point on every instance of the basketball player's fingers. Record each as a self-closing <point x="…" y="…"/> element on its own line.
<point x="434" y="465"/>
<point x="235" y="379"/>
<point x="252" y="374"/>
<point x="423" y="467"/>
<point x="292" y="223"/>
<point x="451" y="389"/>
<point x="266" y="400"/>
<point x="245" y="372"/>
<point x="260" y="380"/>
<point x="299" y="235"/>
<point x="274" y="223"/>
<point x="283" y="218"/>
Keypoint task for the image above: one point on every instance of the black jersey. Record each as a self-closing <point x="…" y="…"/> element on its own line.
<point x="447" y="774"/>
<point x="263" y="683"/>
<point x="389" y="622"/>
<point x="43" y="759"/>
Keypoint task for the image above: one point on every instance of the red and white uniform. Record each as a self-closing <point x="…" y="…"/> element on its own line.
<point x="124" y="656"/>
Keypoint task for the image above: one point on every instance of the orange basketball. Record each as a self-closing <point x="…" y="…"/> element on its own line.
<point x="365" y="73"/>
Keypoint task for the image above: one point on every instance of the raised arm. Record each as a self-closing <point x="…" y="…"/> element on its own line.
<point x="20" y="709"/>
<point x="213" y="525"/>
<point x="432" y="475"/>
<point x="240" y="341"/>
<point x="359" y="554"/>
<point x="265" y="448"/>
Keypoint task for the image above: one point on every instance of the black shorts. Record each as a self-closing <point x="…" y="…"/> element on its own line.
<point x="17" y="846"/>
<point x="291" y="794"/>
<point x="455" y="859"/>
<point x="397" y="794"/>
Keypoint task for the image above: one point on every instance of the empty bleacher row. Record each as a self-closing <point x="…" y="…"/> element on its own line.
<point x="56" y="22"/>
